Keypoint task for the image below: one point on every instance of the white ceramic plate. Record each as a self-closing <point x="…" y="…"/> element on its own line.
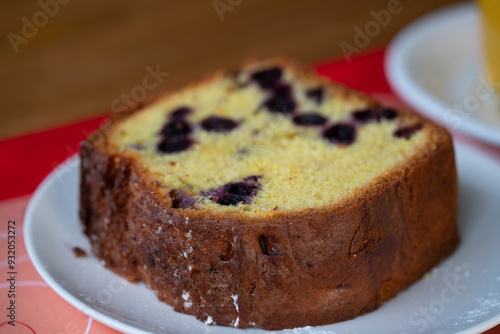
<point x="461" y="295"/>
<point x="435" y="65"/>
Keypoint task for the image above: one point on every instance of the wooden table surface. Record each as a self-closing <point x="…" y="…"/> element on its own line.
<point x="63" y="60"/>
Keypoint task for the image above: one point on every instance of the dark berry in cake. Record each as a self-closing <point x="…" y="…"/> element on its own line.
<point x="241" y="188"/>
<point x="176" y="128"/>
<point x="234" y="193"/>
<point x="174" y="144"/>
<point x="388" y="113"/>
<point x="365" y="116"/>
<point x="316" y="94"/>
<point x="408" y="131"/>
<point x="341" y="133"/>
<point x="281" y="100"/>
<point x="267" y="78"/>
<point x="370" y="115"/>
<point x="281" y="104"/>
<point x="282" y="90"/>
<point x="218" y="124"/>
<point x="231" y="199"/>
<point x="310" y="119"/>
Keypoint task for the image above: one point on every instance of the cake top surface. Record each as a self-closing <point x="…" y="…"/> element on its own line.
<point x="265" y="139"/>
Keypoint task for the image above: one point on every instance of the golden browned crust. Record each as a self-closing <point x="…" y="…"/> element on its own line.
<point x="282" y="270"/>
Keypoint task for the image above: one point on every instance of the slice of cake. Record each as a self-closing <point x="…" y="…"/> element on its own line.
<point x="270" y="197"/>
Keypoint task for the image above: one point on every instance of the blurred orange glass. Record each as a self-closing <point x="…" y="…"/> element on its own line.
<point x="490" y="11"/>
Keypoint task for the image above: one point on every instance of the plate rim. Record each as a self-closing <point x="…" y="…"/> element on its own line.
<point x="413" y="93"/>
<point x="44" y="273"/>
<point x="123" y="327"/>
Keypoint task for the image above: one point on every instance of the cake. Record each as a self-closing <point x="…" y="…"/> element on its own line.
<point x="269" y="197"/>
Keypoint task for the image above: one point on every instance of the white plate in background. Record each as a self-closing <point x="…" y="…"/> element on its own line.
<point x="435" y="65"/>
<point x="463" y="291"/>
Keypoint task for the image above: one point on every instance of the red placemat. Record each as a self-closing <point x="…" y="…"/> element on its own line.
<point x="28" y="159"/>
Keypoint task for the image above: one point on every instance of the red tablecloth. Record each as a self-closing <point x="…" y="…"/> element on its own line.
<point x="28" y="159"/>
